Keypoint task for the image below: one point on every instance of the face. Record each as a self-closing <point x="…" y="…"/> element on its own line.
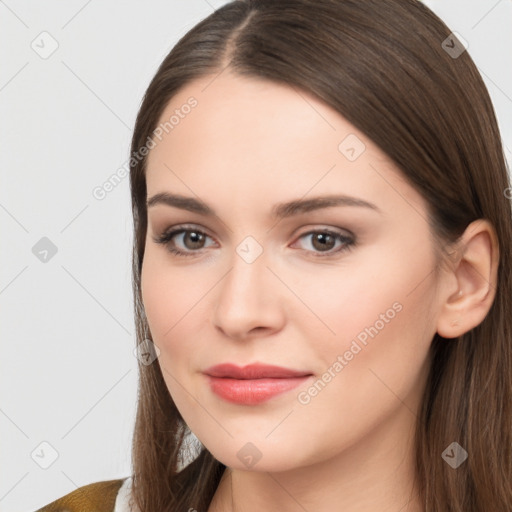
<point x="344" y="293"/>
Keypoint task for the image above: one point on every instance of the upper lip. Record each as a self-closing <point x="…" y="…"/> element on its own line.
<point x="253" y="371"/>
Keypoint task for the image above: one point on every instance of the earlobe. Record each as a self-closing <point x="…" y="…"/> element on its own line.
<point x="475" y="272"/>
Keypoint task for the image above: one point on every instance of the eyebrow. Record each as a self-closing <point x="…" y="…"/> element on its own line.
<point x="279" y="211"/>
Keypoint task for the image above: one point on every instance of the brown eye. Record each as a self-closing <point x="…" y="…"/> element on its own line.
<point x="322" y="242"/>
<point x="192" y="240"/>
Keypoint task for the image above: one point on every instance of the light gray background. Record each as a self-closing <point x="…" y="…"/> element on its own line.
<point x="68" y="373"/>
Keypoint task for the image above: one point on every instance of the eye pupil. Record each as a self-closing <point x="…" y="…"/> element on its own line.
<point x="196" y="238"/>
<point x="321" y="237"/>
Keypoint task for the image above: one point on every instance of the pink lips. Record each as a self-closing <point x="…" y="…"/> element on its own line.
<point x="254" y="383"/>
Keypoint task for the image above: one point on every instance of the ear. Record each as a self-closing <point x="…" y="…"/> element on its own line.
<point x="471" y="283"/>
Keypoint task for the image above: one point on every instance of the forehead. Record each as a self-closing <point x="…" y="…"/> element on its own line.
<point x="246" y="140"/>
<point x="243" y="113"/>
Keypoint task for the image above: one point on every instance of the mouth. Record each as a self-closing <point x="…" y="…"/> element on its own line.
<point x="253" y="384"/>
<point x="254" y="371"/>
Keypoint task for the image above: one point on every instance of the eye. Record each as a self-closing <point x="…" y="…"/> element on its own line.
<point x="324" y="240"/>
<point x="193" y="238"/>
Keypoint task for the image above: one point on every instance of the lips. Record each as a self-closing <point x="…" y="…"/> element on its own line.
<point x="253" y="371"/>
<point x="253" y="384"/>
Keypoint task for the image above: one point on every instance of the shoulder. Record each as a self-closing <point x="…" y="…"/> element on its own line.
<point x="104" y="496"/>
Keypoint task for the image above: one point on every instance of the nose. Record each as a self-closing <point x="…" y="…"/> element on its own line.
<point x="248" y="300"/>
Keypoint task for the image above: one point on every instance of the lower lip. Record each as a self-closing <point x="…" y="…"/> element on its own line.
<point x="252" y="391"/>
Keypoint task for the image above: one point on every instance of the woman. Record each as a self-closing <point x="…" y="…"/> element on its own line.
<point x="319" y="186"/>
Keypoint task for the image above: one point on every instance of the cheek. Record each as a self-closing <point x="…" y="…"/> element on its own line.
<point x="374" y="289"/>
<point x="394" y="328"/>
<point x="172" y="300"/>
<point x="166" y="298"/>
<point x="377" y="315"/>
<point x="376" y="363"/>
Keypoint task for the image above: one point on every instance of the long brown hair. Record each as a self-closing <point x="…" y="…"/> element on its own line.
<point x="393" y="70"/>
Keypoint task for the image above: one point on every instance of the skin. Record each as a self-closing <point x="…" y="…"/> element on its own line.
<point x="246" y="146"/>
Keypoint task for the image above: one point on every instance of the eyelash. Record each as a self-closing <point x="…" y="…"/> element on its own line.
<point x="167" y="236"/>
